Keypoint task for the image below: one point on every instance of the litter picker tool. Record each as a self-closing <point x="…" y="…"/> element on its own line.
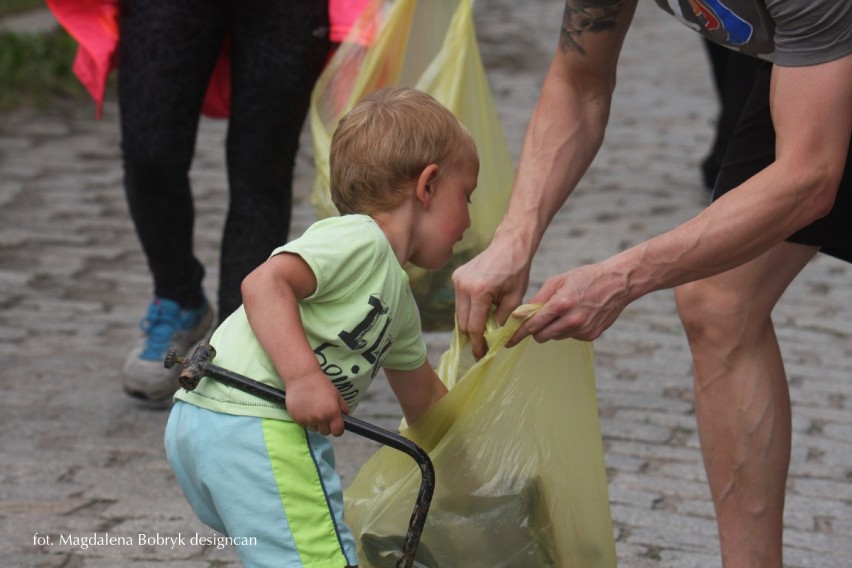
<point x="200" y="365"/>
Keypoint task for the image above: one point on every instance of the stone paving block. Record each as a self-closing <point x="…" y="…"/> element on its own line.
<point x="632" y="498"/>
<point x="692" y="559"/>
<point x="834" y="489"/>
<point x="663" y="452"/>
<point x="816" y="550"/>
<point x="814" y="514"/>
<point x="669" y="530"/>
<point x="616" y="461"/>
<point x="634" y="431"/>
<point x="685" y="489"/>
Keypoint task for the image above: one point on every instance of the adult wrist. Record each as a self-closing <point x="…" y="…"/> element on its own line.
<point x="517" y="238"/>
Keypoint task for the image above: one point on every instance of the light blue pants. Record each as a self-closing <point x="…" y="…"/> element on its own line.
<point x="268" y="479"/>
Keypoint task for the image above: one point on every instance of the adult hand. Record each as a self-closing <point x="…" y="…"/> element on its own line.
<point x="498" y="276"/>
<point x="581" y="303"/>
<point x="315" y="404"/>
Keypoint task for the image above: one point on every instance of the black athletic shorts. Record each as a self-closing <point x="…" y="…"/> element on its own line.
<point x="752" y="148"/>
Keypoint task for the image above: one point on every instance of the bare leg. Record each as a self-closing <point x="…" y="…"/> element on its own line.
<point x="742" y="400"/>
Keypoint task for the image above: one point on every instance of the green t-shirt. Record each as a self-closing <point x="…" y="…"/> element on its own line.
<point x="361" y="317"/>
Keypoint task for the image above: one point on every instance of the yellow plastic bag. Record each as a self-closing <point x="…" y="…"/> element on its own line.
<point x="430" y="46"/>
<point x="519" y="465"/>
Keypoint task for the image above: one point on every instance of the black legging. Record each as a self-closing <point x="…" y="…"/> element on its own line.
<point x="167" y="51"/>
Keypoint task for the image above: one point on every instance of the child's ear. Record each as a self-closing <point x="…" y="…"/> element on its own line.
<point x="425" y="189"/>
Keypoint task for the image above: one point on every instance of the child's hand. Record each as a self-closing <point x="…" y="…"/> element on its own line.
<point x="314" y="404"/>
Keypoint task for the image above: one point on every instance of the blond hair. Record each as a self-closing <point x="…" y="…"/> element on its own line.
<point x="382" y="145"/>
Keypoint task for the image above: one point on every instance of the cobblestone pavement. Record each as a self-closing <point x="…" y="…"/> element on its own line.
<point x="79" y="457"/>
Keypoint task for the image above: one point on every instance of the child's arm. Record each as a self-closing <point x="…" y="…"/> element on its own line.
<point x="270" y="295"/>
<point x="416" y="390"/>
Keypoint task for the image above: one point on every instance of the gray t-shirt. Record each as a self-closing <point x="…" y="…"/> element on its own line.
<point x="791" y="33"/>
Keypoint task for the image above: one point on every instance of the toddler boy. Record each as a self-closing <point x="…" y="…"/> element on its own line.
<point x="319" y="318"/>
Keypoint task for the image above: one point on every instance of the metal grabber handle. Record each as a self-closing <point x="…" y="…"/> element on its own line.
<point x="199" y="365"/>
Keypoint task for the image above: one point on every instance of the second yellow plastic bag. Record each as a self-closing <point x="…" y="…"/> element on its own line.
<point x="519" y="464"/>
<point x="429" y="45"/>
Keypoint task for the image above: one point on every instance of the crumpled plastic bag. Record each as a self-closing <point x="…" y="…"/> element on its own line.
<point x="519" y="465"/>
<point x="430" y="46"/>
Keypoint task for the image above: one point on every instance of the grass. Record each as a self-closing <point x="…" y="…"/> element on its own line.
<point x="10" y="7"/>
<point x="35" y="69"/>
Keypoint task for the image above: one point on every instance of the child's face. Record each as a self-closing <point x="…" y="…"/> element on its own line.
<point x="448" y="216"/>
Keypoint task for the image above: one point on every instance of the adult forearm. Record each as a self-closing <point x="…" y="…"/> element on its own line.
<point x="564" y="135"/>
<point x="736" y="228"/>
<point x="812" y="119"/>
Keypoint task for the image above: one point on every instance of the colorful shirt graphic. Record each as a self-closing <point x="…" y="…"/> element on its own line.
<point x="716" y="15"/>
<point x="788" y="32"/>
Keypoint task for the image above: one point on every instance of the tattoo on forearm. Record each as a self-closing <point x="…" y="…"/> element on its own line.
<point x="587" y="16"/>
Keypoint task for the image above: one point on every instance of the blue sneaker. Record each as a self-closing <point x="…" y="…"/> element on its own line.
<point x="166" y="325"/>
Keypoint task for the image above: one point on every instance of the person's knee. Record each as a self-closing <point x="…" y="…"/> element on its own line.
<point x="153" y="160"/>
<point x="712" y="317"/>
